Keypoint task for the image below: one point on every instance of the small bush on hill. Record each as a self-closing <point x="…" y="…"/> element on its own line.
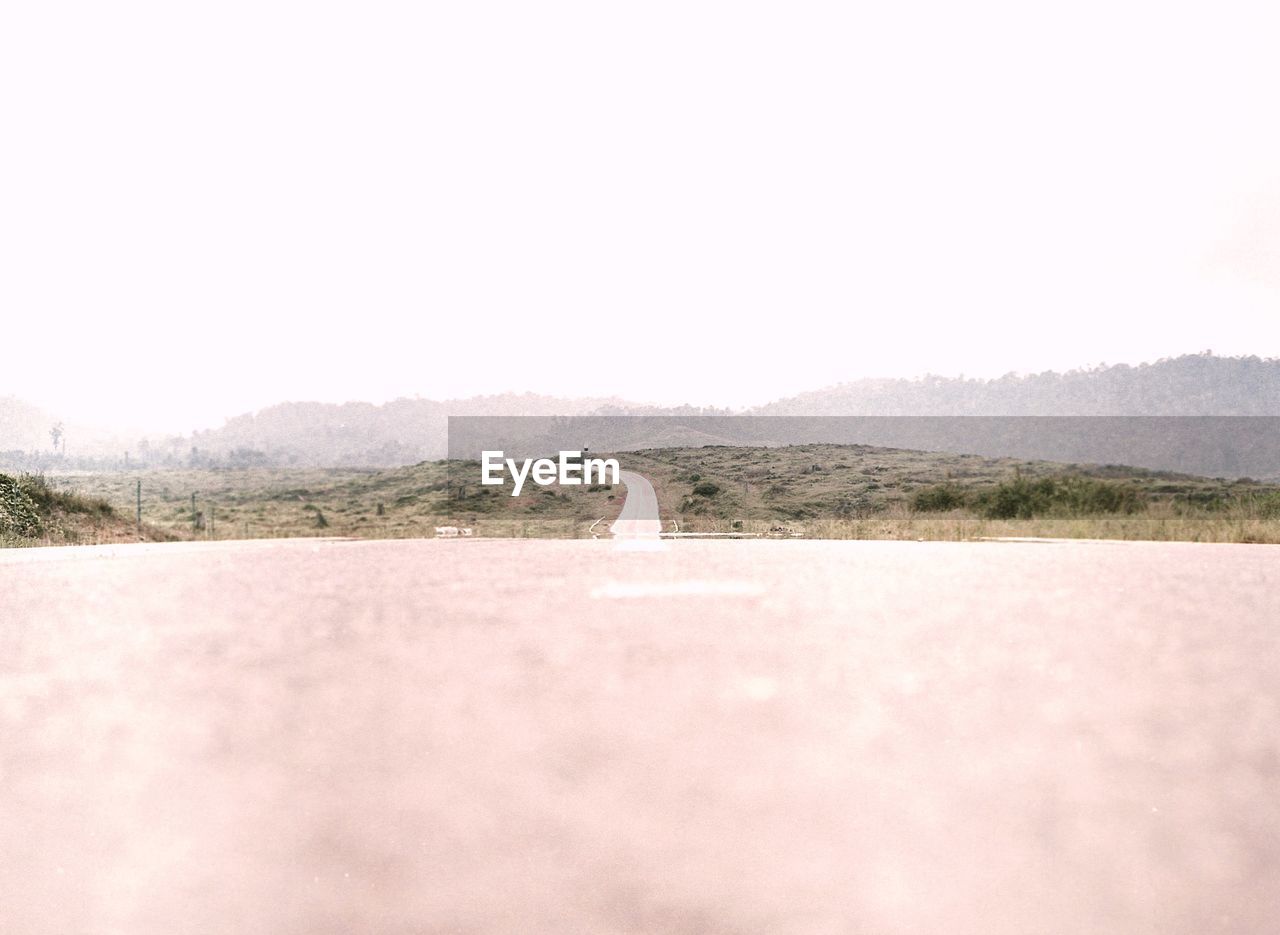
<point x="938" y="499"/>
<point x="30" y="507"/>
<point x="19" y="515"/>
<point x="1212" y="501"/>
<point x="1057" y="496"/>
<point x="48" y="500"/>
<point x="1268" y="506"/>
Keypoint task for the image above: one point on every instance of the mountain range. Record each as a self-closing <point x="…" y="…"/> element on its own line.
<point x="406" y="431"/>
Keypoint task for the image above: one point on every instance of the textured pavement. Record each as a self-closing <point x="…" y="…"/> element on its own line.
<point x="703" y="737"/>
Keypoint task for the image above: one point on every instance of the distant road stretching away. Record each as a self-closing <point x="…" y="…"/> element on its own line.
<point x="521" y="737"/>
<point x="639" y="517"/>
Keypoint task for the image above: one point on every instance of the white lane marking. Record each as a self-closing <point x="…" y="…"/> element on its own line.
<point x="692" y="588"/>
<point x="639" y="544"/>
<point x="760" y="688"/>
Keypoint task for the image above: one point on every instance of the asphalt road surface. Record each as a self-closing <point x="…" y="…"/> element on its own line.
<point x="785" y="738"/>
<point x="639" y="516"/>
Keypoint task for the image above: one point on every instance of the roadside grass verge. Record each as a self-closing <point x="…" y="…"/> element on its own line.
<point x="33" y="511"/>
<point x="959" y="528"/>
<point x="814" y="491"/>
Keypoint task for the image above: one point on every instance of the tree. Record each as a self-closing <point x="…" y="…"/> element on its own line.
<point x="55" y="434"/>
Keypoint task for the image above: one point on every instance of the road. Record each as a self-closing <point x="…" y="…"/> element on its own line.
<point x="639" y="517"/>
<point x="777" y="737"/>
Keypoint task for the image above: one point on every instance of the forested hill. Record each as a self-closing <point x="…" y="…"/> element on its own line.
<point x="1195" y="384"/>
<point x="403" y="431"/>
<point x="406" y="431"/>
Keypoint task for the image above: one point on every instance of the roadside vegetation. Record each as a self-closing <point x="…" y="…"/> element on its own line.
<point x="816" y="491"/>
<point x="35" y="512"/>
<point x="405" y="502"/>
<point x="860" y="492"/>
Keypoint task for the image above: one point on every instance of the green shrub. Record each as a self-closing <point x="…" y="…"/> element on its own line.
<point x="1057" y="496"/>
<point x="1269" y="506"/>
<point x="706" y="489"/>
<point x="938" y="499"/>
<point x="19" y="514"/>
<point x="1085" y="495"/>
<point x="47" y="499"/>
<point x="1211" y="501"/>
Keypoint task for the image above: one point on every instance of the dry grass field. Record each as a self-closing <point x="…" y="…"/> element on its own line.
<point x="811" y="491"/>
<point x="394" y="503"/>
<point x="861" y="492"/>
<point x="36" y="511"/>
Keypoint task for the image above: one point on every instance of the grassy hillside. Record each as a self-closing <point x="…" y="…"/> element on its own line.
<point x="34" y="512"/>
<point x="857" y="491"/>
<point x="395" y="503"/>
<point x="836" y="491"/>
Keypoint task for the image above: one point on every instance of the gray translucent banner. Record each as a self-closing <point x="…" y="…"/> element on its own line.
<point x="1210" y="446"/>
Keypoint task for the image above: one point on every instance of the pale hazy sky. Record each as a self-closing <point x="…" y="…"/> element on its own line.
<point x="208" y="208"/>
